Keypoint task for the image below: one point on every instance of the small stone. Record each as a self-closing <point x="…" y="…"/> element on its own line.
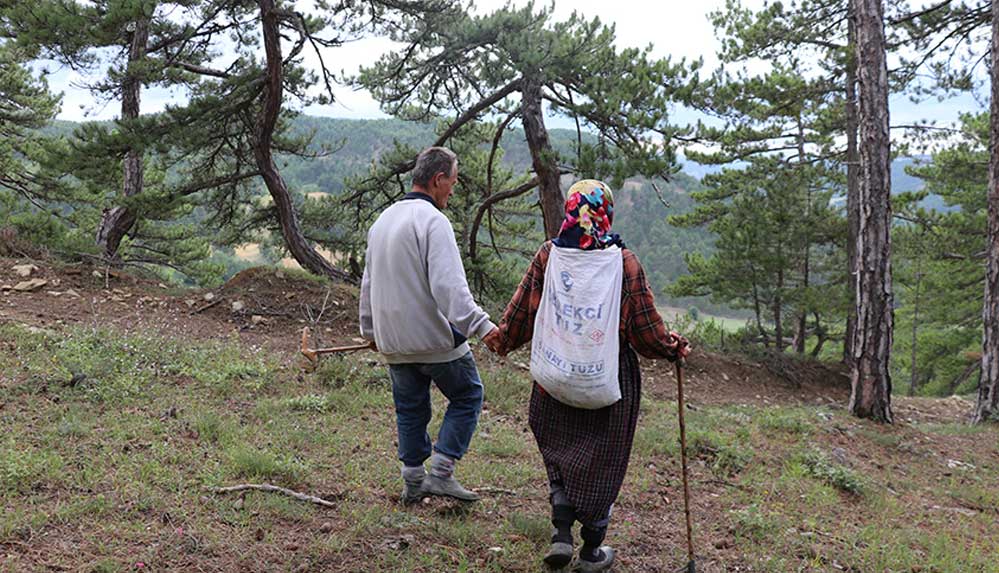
<point x="24" y="270"/>
<point x="209" y="296"/>
<point x="326" y="527"/>
<point x="725" y="376"/>
<point x="72" y="293"/>
<point x="238" y="306"/>
<point x="279" y="275"/>
<point x="839" y="454"/>
<point x="190" y="302"/>
<point x="161" y="285"/>
<point x="257" y="319"/>
<point x="53" y="293"/>
<point x="98" y="274"/>
<point x="30" y="285"/>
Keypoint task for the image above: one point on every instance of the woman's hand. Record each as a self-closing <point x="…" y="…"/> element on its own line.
<point x="680" y="344"/>
<point x="494" y="342"/>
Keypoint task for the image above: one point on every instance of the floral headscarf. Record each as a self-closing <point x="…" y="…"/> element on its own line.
<point x="589" y="212"/>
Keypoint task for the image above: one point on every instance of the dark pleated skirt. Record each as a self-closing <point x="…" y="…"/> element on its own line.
<point x="587" y="451"/>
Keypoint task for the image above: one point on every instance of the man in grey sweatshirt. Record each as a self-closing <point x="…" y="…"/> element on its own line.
<point x="417" y="309"/>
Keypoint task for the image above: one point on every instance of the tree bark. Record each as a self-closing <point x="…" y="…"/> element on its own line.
<point x="778" y="322"/>
<point x="801" y="335"/>
<point x="271" y="99"/>
<point x="987" y="407"/>
<point x="913" y="374"/>
<point x="820" y="335"/>
<point x="117" y="221"/>
<point x="543" y="157"/>
<point x="870" y="396"/>
<point x="852" y="182"/>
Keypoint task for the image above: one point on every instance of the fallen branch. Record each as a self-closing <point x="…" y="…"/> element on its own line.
<point x="205" y="307"/>
<point x="273" y="489"/>
<point x="494" y="490"/>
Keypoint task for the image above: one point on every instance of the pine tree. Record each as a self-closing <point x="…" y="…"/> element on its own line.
<point x="140" y="43"/>
<point x="774" y="224"/>
<point x="939" y="255"/>
<point x="514" y="62"/>
<point x="870" y="376"/>
<point x="789" y="33"/>
<point x="25" y="106"/>
<point x="987" y="407"/>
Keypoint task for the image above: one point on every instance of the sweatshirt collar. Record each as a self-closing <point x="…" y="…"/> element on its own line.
<point x="418" y="195"/>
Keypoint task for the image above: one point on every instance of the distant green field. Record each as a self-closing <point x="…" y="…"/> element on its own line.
<point x="672" y="314"/>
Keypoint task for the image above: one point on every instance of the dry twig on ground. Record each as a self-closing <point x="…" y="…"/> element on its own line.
<point x="273" y="489"/>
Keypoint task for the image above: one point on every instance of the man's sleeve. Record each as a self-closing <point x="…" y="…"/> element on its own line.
<point x="448" y="284"/>
<point x="364" y="309"/>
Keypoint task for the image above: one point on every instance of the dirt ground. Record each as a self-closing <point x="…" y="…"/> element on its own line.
<point x="267" y="308"/>
<point x="273" y="305"/>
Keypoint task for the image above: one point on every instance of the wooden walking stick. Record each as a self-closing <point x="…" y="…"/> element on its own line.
<point x="683" y="462"/>
<point x="313" y="354"/>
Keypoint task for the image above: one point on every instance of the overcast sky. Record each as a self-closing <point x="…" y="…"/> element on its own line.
<point x="675" y="28"/>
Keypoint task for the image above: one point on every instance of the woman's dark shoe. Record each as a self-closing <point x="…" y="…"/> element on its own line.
<point x="559" y="554"/>
<point x="606" y="554"/>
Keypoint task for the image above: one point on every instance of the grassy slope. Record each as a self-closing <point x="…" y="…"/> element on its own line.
<point x="109" y="473"/>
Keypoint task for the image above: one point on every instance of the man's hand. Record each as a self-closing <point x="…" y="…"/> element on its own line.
<point x="494" y="341"/>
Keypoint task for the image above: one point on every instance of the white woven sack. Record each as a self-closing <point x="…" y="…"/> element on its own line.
<point x="574" y="355"/>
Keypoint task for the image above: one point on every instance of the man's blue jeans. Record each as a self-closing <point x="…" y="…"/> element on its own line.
<point x="459" y="381"/>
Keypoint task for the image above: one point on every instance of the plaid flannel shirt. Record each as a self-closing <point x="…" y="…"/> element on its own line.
<point x="641" y="326"/>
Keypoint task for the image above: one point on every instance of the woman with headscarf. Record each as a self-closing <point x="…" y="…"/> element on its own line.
<point x="586" y="452"/>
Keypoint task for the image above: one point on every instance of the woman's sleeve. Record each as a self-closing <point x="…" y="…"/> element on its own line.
<point x="643" y="327"/>
<point x="517" y="325"/>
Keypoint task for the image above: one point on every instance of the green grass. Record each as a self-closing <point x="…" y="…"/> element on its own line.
<point x="816" y="464"/>
<point x="103" y="474"/>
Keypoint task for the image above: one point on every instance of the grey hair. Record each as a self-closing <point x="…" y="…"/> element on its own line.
<point x="430" y="162"/>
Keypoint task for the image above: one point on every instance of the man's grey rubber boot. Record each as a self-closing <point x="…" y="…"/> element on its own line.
<point x="413" y="492"/>
<point x="441" y="480"/>
<point x="559" y="554"/>
<point x="447" y="487"/>
<point x="584" y="566"/>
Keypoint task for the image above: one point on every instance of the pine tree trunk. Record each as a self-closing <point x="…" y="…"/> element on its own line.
<point x="271" y="100"/>
<point x="801" y="333"/>
<point x="852" y="184"/>
<point x="913" y="371"/>
<point x="778" y="323"/>
<point x="987" y="407"/>
<point x="543" y="157"/>
<point x="871" y="381"/>
<point x="118" y="220"/>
